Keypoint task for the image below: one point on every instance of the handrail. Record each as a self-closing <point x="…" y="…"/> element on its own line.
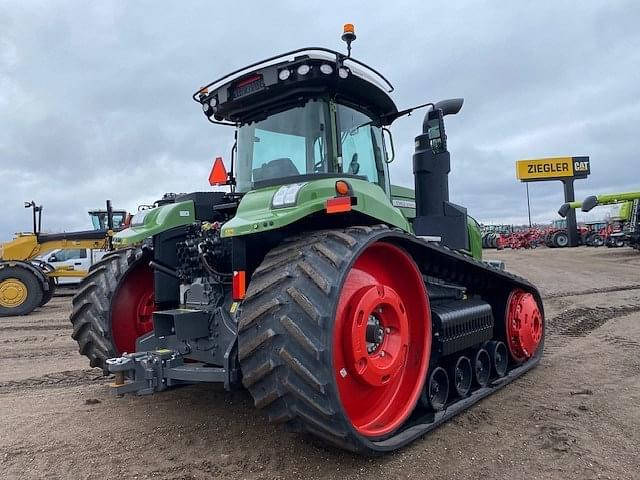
<point x="340" y="58"/>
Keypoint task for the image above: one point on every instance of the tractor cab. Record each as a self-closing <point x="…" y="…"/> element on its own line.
<point x="99" y="219"/>
<point x="315" y="113"/>
<point x="595" y="226"/>
<point x="307" y="114"/>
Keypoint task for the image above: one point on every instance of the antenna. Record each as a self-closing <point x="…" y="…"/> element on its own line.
<point x="348" y="36"/>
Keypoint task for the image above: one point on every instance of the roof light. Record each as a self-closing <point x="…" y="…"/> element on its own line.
<point x="343" y="72"/>
<point x="348" y="36"/>
<point x="213" y="101"/>
<point x="303" y="69"/>
<point x="326" y="69"/>
<point x="286" y="195"/>
<point x="205" y="107"/>
<point x="284" y="74"/>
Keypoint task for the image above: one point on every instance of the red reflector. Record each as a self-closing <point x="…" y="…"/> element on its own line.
<point x="218" y="175"/>
<point x="239" y="286"/>
<point x="248" y="80"/>
<point x="338" y="205"/>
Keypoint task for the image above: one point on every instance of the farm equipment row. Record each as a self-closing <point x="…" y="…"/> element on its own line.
<point x="624" y="229"/>
<point x="527" y="238"/>
<point x="618" y="231"/>
<point x="592" y="234"/>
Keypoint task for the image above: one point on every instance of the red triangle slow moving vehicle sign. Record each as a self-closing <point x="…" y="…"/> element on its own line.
<point x="218" y="175"/>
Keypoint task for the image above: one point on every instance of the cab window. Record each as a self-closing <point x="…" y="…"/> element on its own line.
<point x="361" y="142"/>
<point x="285" y="144"/>
<point x="64" y="255"/>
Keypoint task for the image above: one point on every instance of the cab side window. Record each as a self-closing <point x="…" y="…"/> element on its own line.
<point x="64" y="255"/>
<point x="361" y="143"/>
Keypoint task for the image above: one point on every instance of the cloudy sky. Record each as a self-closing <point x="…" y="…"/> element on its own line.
<point x="95" y="96"/>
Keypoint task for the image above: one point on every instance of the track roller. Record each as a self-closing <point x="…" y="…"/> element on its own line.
<point x="482" y="368"/>
<point x="462" y="375"/>
<point x="436" y="391"/>
<point x="499" y="357"/>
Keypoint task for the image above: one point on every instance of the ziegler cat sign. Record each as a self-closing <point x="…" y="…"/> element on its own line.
<point x="555" y="168"/>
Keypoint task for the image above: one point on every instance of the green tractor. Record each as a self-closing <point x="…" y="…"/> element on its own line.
<point x="630" y="213"/>
<point x="628" y="217"/>
<point x="349" y="308"/>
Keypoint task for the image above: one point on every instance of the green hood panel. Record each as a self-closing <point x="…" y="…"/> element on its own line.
<point x="404" y="199"/>
<point x="256" y="214"/>
<point x="147" y="223"/>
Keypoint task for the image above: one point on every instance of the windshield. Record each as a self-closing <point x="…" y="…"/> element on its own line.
<point x="289" y="143"/>
<point x="99" y="220"/>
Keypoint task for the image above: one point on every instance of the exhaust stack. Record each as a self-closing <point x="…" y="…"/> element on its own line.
<point x="435" y="215"/>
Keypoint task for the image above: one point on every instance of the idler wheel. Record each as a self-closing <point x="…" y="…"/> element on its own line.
<point x="462" y="375"/>
<point x="525" y="326"/>
<point x="482" y="368"/>
<point x="499" y="357"/>
<point x="436" y="391"/>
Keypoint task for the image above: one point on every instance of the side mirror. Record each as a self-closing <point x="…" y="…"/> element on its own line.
<point x="589" y="203"/>
<point x="52" y="258"/>
<point x="450" y="106"/>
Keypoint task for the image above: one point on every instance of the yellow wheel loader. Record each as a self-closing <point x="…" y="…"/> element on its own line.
<point x="26" y="282"/>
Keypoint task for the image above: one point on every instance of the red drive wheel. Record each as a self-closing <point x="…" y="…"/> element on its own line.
<point x="381" y="340"/>
<point x="132" y="308"/>
<point x="524" y="325"/>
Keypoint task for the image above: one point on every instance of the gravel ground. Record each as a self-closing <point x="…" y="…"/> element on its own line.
<point x="575" y="416"/>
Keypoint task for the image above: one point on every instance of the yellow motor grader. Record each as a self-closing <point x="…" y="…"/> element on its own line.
<point x="27" y="282"/>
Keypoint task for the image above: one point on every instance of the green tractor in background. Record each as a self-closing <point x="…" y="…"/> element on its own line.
<point x="628" y="216"/>
<point x="630" y="213"/>
<point x="349" y="308"/>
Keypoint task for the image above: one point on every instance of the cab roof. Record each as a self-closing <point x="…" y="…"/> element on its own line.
<point x="290" y="79"/>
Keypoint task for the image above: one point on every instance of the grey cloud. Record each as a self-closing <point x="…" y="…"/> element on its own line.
<point x="95" y="97"/>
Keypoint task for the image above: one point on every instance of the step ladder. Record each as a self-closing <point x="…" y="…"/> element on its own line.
<point x="634" y="220"/>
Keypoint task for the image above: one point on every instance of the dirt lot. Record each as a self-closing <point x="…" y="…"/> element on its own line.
<point x="575" y="416"/>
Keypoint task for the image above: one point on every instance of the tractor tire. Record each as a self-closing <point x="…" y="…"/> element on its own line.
<point x="20" y="290"/>
<point x="597" y="240"/>
<point x="110" y="284"/>
<point x="46" y="268"/>
<point x="295" y="329"/>
<point x="48" y="295"/>
<point x="587" y="240"/>
<point x="560" y="239"/>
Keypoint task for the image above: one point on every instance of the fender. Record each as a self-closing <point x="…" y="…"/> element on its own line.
<point x="258" y="211"/>
<point x="147" y="223"/>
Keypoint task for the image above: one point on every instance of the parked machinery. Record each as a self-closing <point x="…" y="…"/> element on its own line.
<point x="27" y="283"/>
<point x="630" y="213"/>
<point x="306" y="283"/>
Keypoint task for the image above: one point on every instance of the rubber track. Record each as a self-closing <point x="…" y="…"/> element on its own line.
<point x="285" y="333"/>
<point x="91" y="306"/>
